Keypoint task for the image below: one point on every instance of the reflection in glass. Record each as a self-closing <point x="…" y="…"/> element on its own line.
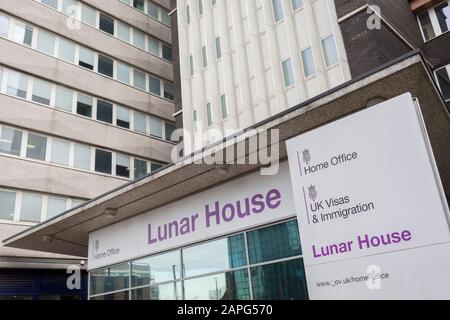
<point x="280" y="281"/>
<point x="225" y="286"/>
<point x="170" y="291"/>
<point x="426" y="25"/>
<point x="275" y="242"/>
<point x="10" y="141"/>
<point x="443" y="16"/>
<point x="110" y="279"/>
<point x="110" y="297"/>
<point x="215" y="256"/>
<point x="156" y="269"/>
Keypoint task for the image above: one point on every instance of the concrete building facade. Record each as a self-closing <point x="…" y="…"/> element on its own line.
<point x="86" y="105"/>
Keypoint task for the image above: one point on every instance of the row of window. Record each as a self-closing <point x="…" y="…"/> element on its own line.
<point x="443" y="79"/>
<point x="71" y="52"/>
<point x="152" y="9"/>
<point x="123" y="31"/>
<point x="261" y="264"/>
<point x="24" y="206"/>
<point x="435" y="21"/>
<point x="209" y="113"/>
<point x="49" y="94"/>
<point x="38" y="147"/>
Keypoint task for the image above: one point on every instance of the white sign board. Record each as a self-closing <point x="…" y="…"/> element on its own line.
<point x="247" y="202"/>
<point x="372" y="216"/>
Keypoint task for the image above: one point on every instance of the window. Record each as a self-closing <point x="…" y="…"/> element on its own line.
<point x="308" y="62"/>
<point x="36" y="147"/>
<point x="426" y="25"/>
<point x="76" y="203"/>
<point x="51" y="3"/>
<point x="435" y="21"/>
<point x="4" y="26"/>
<point x="209" y="114"/>
<point x="167" y="52"/>
<point x="104" y="111"/>
<point x="11" y="141"/>
<point x="213" y="3"/>
<point x="188" y="14"/>
<point x="87" y="58"/>
<point x="288" y="73"/>
<point x="170" y="128"/>
<point x="45" y="42"/>
<point x="123" y="117"/>
<point x="139" y="38"/>
<point x="70" y="8"/>
<point x="140" y="124"/>
<point x="64" y="99"/>
<point x="153" y="46"/>
<point x="205" y="57"/>
<point x="7" y="205"/>
<point x="139" y="4"/>
<point x="297" y="4"/>
<point x="110" y="279"/>
<point x="55" y="206"/>
<point x="23" y="33"/>
<point x="41" y="92"/>
<point x="155" y="127"/>
<point x="165" y="18"/>
<point x="66" y="50"/>
<point x="277" y="10"/>
<point x="223" y="106"/>
<point x="153" y="10"/>
<point x="122" y="166"/>
<point x="105" y="66"/>
<point x="218" y="48"/>
<point x="443" y="16"/>
<point x="200" y="7"/>
<point x="155" y="85"/>
<point x="106" y="24"/>
<point x="82" y="157"/>
<point x="444" y="81"/>
<point x="17" y="84"/>
<point x="140" y="168"/>
<point x="123" y="72"/>
<point x="169" y="91"/>
<point x="329" y="50"/>
<point x="194" y="120"/>
<point x="157" y="269"/>
<point x="60" y="152"/>
<point x="88" y="15"/>
<point x="84" y="105"/>
<point x="103" y="161"/>
<point x="191" y="64"/>
<point x="139" y="79"/>
<point x="123" y="31"/>
<point x="156" y="166"/>
<point x="31" y="207"/>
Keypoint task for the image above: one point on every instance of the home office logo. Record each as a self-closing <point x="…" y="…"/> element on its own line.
<point x="97" y="245"/>
<point x="306" y="156"/>
<point x="99" y="254"/>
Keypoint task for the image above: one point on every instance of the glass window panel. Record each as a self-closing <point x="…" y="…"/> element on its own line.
<point x="139" y="4"/>
<point x="165" y="292"/>
<point x="119" y="296"/>
<point x="87" y="58"/>
<point x="223" y="106"/>
<point x="188" y="14"/>
<point x="308" y="62"/>
<point x="123" y="31"/>
<point x="443" y="16"/>
<point x="4" y="26"/>
<point x="225" y="286"/>
<point x="51" y="3"/>
<point x="426" y="25"/>
<point x="165" y="18"/>
<point x="288" y="73"/>
<point x="23" y="33"/>
<point x="200" y="7"/>
<point x="139" y="38"/>
<point x="70" y="8"/>
<point x="155" y="127"/>
<point x="167" y="52"/>
<point x="155" y="166"/>
<point x="106" y="24"/>
<point x="82" y="157"/>
<point x="11" y="141"/>
<point x="17" y="84"/>
<point x="275" y="242"/>
<point x="41" y="92"/>
<point x="64" y="99"/>
<point x="218" y="48"/>
<point x="444" y="82"/>
<point x="88" y="15"/>
<point x="139" y="79"/>
<point x="7" y="205"/>
<point x="205" y="57"/>
<point x="280" y="281"/>
<point x="297" y="4"/>
<point x="209" y="114"/>
<point x="123" y="117"/>
<point x="77" y="203"/>
<point x="60" y="152"/>
<point x="152" y="10"/>
<point x="36" y="147"/>
<point x="170" y="128"/>
<point x="84" y="105"/>
<point x="215" y="256"/>
<point x="140" y="168"/>
<point x="169" y="91"/>
<point x="140" y="124"/>
<point x="153" y="46"/>
<point x="110" y="279"/>
<point x="104" y="111"/>
<point x="123" y="72"/>
<point x="66" y="50"/>
<point x="45" y="42"/>
<point x="103" y="161"/>
<point x="156" y="269"/>
<point x="31" y="207"/>
<point x="277" y="10"/>
<point x="329" y="50"/>
<point x="122" y="166"/>
<point x="155" y="85"/>
<point x="55" y="206"/>
<point x="105" y="66"/>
